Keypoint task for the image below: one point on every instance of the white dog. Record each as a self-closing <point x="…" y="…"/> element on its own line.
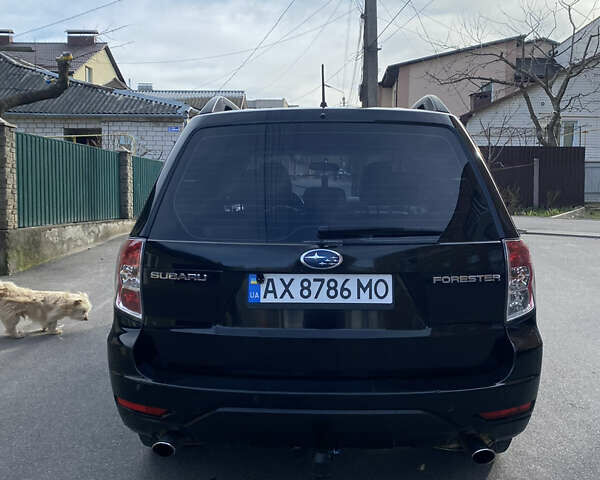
<point x="43" y="307"/>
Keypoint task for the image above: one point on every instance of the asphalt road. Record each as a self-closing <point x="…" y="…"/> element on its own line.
<point x="58" y="420"/>
<point x="552" y="226"/>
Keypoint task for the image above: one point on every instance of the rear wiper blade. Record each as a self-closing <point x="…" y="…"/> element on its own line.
<point x="375" y="232"/>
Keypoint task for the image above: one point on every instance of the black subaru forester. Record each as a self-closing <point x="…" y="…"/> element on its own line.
<point x="325" y="278"/>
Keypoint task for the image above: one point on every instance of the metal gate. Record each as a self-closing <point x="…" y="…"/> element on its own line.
<point x="145" y="173"/>
<point x="63" y="182"/>
<point x="592" y="181"/>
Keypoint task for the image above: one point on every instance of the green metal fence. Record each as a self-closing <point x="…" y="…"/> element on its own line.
<point x="145" y="173"/>
<point x="61" y="182"/>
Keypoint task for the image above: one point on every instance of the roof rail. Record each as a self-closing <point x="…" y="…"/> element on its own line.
<point x="218" y="104"/>
<point x="431" y="102"/>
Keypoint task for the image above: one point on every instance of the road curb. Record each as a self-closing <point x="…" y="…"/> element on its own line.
<point x="552" y="233"/>
<point x="571" y="213"/>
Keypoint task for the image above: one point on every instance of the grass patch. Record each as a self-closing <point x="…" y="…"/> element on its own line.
<point x="592" y="211"/>
<point x="542" y="212"/>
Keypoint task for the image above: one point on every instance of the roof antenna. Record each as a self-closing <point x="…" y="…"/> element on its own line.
<point x="323" y="102"/>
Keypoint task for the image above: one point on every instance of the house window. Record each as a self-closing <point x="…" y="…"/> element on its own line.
<point x="84" y="136"/>
<point x="570" y="134"/>
<point x="539" y="67"/>
<point x="89" y="75"/>
<point x="488" y="88"/>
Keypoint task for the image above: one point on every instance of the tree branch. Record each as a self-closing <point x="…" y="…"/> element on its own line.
<point x="539" y="131"/>
<point x="53" y="91"/>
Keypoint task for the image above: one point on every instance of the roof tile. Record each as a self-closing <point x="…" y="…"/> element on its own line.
<point x="80" y="99"/>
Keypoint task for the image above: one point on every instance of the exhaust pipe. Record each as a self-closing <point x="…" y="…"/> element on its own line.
<point x="165" y="446"/>
<point x="477" y="449"/>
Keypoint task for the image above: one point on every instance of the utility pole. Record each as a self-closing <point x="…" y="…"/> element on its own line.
<point x="368" y="89"/>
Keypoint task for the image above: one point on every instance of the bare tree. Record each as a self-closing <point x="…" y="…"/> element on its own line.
<point x="497" y="133"/>
<point x="496" y="138"/>
<point x="551" y="69"/>
<point x="53" y="91"/>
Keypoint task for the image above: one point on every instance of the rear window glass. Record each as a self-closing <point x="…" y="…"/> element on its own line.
<point x="289" y="183"/>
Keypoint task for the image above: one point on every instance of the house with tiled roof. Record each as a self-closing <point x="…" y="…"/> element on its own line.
<point x="195" y="98"/>
<point x="96" y="115"/>
<point x="92" y="62"/>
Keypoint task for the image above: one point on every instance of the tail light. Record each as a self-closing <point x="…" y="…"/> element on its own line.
<point x="128" y="278"/>
<point x="521" y="281"/>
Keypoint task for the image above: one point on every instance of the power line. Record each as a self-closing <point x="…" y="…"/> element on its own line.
<point x="429" y="17"/>
<point x="347" y="45"/>
<point x="437" y="53"/>
<point x="305" y="51"/>
<point x="307" y="19"/>
<point x="297" y="27"/>
<point x="283" y="39"/>
<point x="68" y="18"/>
<point x="123" y="44"/>
<point x="326" y="80"/>
<point x="247" y="59"/>
<point x="385" y="8"/>
<point x="407" y="22"/>
<point x="104" y="32"/>
<point x="393" y="19"/>
<point x="358" y="51"/>
<point x="354" y="58"/>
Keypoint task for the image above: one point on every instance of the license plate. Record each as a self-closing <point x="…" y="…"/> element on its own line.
<point x="315" y="289"/>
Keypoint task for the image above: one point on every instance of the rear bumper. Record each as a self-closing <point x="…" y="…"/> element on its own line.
<point x="367" y="421"/>
<point x="219" y="410"/>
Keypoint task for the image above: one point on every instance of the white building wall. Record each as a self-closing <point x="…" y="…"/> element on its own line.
<point x="511" y="124"/>
<point x="151" y="139"/>
<point x="43" y="128"/>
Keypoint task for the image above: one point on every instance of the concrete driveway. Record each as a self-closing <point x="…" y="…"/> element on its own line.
<point x="58" y="419"/>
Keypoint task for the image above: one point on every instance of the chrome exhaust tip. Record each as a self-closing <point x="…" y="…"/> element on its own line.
<point x="478" y="450"/>
<point x="164" y="447"/>
<point x="483" y="456"/>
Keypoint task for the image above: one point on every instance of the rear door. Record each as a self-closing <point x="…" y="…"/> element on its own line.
<point x="326" y="250"/>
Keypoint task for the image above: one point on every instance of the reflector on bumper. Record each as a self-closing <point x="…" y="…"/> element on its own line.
<point x="155" y="411"/>
<point x="509" y="412"/>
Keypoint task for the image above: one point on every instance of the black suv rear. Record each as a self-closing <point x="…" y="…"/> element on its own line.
<point x="326" y="278"/>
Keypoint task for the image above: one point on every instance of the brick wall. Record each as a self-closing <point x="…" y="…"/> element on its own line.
<point x="8" y="177"/>
<point x="152" y="139"/>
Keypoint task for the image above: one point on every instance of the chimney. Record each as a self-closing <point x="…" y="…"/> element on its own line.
<point x="81" y="38"/>
<point x="6" y="36"/>
<point x="144" y="87"/>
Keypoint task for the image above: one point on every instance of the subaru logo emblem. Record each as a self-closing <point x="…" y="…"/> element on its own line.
<point x="321" y="259"/>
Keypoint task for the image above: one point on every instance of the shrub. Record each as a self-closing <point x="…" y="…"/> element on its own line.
<point x="511" y="195"/>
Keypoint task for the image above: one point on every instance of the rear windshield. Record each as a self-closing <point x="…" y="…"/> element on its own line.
<point x="288" y="183"/>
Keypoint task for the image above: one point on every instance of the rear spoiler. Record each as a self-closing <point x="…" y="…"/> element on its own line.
<point x="432" y="103"/>
<point x="218" y="104"/>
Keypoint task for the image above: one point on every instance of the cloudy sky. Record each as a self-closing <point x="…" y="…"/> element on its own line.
<point x="201" y="44"/>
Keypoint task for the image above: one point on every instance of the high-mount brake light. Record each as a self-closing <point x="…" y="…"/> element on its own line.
<point x="521" y="280"/>
<point x="129" y="278"/>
